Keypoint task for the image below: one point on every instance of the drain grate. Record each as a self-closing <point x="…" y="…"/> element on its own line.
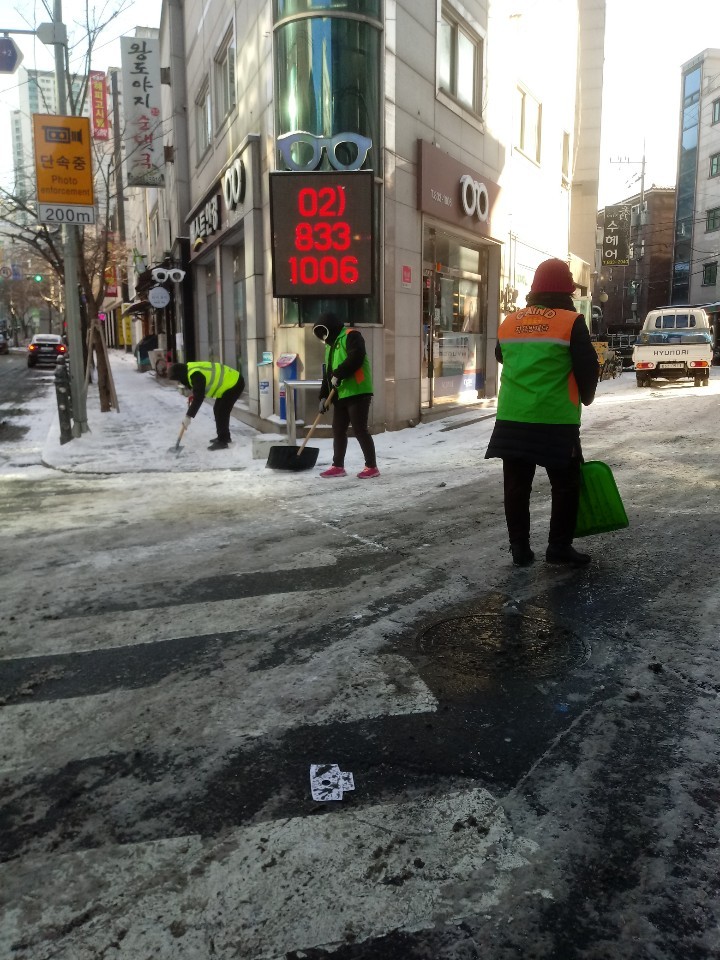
<point x="465" y="654"/>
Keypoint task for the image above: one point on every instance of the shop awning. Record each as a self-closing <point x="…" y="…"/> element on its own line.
<point x="140" y="306"/>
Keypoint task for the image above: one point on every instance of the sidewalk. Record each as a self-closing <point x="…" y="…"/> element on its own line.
<point x="140" y="437"/>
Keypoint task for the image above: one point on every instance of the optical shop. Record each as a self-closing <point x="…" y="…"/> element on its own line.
<point x="226" y="239"/>
<point x="460" y="280"/>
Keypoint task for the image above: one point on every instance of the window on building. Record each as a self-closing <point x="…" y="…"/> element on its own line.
<point x="460" y="52"/>
<point x="709" y="274"/>
<point x="225" y="77"/>
<point x="715" y="165"/>
<point x="716" y="111"/>
<point x="712" y="221"/>
<point x="528" y="124"/>
<point x="203" y="120"/>
<point x="566" y="157"/>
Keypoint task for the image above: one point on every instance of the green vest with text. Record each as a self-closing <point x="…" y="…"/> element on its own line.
<point x="538" y="384"/>
<point x="357" y="383"/>
<point x="218" y="377"/>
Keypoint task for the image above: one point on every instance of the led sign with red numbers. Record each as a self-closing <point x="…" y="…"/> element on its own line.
<point x="322" y="239"/>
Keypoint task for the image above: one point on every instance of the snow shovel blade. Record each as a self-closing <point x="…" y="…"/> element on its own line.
<point x="292" y="458"/>
<point x="297" y="458"/>
<point x="177" y="448"/>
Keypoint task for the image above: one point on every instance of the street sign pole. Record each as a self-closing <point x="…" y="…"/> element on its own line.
<point x="72" y="299"/>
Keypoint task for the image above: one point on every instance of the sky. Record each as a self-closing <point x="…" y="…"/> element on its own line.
<point x="643" y="55"/>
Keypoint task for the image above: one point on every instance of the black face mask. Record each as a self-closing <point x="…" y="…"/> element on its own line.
<point x="317" y="330"/>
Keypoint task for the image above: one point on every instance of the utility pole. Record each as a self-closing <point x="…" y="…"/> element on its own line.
<point x="72" y="300"/>
<point x="638" y="281"/>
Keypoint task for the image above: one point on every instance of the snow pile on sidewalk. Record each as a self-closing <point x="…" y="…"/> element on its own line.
<point x="141" y="437"/>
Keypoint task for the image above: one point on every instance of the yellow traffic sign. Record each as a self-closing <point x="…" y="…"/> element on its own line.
<point x="63" y="165"/>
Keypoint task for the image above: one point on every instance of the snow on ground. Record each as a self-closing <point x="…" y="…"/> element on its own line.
<point x="140" y="437"/>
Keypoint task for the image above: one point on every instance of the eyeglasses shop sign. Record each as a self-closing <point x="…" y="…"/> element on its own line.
<point x="448" y="190"/>
<point x="209" y="219"/>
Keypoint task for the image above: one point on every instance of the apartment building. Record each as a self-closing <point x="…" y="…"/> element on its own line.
<point x="697" y="211"/>
<point x="469" y="158"/>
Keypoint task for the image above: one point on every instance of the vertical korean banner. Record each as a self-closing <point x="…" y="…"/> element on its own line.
<point x="616" y="236"/>
<point x="99" y="106"/>
<point x="140" y="59"/>
<point x="111" y="281"/>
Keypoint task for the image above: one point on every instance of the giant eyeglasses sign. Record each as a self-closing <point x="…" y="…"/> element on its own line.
<point x="322" y="236"/>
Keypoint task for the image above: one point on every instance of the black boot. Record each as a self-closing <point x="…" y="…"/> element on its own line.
<point x="567" y="555"/>
<point x="522" y="555"/>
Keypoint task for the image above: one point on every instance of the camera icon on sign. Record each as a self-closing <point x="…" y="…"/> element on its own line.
<point x="62" y="135"/>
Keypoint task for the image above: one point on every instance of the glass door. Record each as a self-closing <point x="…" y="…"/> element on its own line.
<point x="454" y="321"/>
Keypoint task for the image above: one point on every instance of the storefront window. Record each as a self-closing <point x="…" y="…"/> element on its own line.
<point x="327" y="80"/>
<point x="239" y="305"/>
<point x="212" y="318"/>
<point x="454" y="319"/>
<point x="287" y="8"/>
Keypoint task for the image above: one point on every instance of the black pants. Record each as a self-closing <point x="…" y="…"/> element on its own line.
<point x="565" y="486"/>
<point x="353" y="413"/>
<point x="222" y="407"/>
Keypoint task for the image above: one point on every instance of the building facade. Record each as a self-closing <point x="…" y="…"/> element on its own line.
<point x="644" y="282"/>
<point x="479" y="159"/>
<point x="697" y="212"/>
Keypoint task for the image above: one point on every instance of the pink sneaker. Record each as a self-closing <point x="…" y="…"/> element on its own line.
<point x="334" y="472"/>
<point x="368" y="473"/>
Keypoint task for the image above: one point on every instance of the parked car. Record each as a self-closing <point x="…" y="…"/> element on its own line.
<point x="45" y="348"/>
<point x="4" y="345"/>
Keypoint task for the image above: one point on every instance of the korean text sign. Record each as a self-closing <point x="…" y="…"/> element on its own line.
<point x="143" y="138"/>
<point x="62" y="160"/>
<point x="99" y="105"/>
<point x="616" y="236"/>
<point x="322" y="237"/>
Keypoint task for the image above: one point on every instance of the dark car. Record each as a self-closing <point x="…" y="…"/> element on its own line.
<point x="4" y="345"/>
<point x="45" y="348"/>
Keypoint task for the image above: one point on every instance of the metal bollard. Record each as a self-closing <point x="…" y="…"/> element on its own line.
<point x="64" y="401"/>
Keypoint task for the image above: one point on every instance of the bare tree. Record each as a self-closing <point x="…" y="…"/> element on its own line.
<point x="100" y="255"/>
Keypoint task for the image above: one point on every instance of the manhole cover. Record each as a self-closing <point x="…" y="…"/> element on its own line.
<point x="464" y="654"/>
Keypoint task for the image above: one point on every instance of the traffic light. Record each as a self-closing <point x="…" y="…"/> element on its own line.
<point x="38" y="278"/>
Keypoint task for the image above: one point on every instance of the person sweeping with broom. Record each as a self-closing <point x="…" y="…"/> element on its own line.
<point x="347" y="372"/>
<point x="215" y="380"/>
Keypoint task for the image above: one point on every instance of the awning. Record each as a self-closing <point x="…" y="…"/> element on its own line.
<point x="140" y="306"/>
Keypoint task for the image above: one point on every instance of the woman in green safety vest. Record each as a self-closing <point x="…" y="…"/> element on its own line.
<point x="347" y="371"/>
<point x="550" y="368"/>
<point x="207" y="379"/>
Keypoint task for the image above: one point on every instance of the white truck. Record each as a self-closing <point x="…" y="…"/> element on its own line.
<point x="675" y="343"/>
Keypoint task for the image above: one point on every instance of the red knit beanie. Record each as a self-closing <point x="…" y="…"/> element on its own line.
<point x="553" y="276"/>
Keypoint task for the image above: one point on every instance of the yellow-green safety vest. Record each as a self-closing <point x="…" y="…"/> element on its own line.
<point x="357" y="383"/>
<point x="538" y="384"/>
<point x="218" y="377"/>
